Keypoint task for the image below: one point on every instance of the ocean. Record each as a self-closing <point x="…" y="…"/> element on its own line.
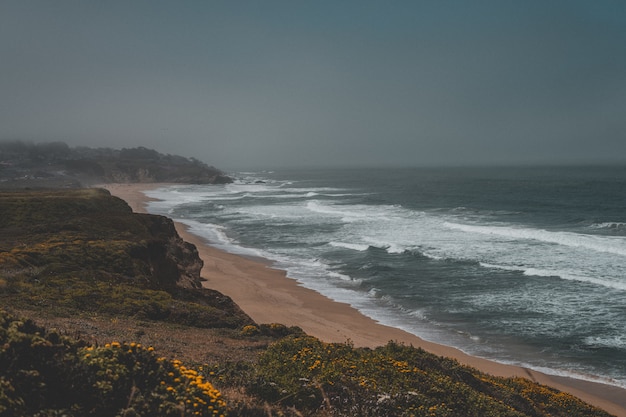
<point x="525" y="266"/>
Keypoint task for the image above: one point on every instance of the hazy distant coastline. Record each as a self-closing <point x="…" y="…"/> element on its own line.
<point x="57" y="165"/>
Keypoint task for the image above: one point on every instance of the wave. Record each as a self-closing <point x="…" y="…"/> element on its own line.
<point x="390" y="247"/>
<point x="614" y="226"/>
<point x="580" y="374"/>
<point x="353" y="246"/>
<point x="225" y="198"/>
<point x="608" y="244"/>
<point x="346" y="215"/>
<point x="280" y="196"/>
<point x="216" y="236"/>
<point x="295" y="194"/>
<point x="374" y="244"/>
<point x="172" y="196"/>
<point x="612" y="342"/>
<point x="563" y="274"/>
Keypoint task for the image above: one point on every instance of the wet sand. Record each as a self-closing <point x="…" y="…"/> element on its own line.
<point x="269" y="296"/>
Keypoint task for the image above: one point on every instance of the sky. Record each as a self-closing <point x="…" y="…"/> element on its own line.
<point x="271" y="84"/>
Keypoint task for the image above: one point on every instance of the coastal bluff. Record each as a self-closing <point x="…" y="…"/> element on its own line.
<point x="85" y="251"/>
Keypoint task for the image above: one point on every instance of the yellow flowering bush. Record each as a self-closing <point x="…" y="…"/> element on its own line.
<point x="42" y="373"/>
<point x="250" y="330"/>
<point x="397" y="380"/>
<point x="133" y="376"/>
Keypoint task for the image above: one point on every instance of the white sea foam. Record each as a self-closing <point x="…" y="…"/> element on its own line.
<point x="353" y="246"/>
<point x="345" y="215"/>
<point x="278" y="196"/>
<point x="354" y="212"/>
<point x="609" y="244"/>
<point x="562" y="274"/>
<point x="343" y="277"/>
<point x="610" y="225"/>
<point x="615" y="341"/>
<point x="389" y="246"/>
<point x="581" y="374"/>
<point x="216" y="236"/>
<point x="166" y="197"/>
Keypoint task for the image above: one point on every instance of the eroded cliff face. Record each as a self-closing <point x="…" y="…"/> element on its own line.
<point x="91" y="223"/>
<point x="172" y="261"/>
<point x="86" y="250"/>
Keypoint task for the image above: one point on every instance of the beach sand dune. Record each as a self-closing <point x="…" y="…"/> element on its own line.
<point x="269" y="296"/>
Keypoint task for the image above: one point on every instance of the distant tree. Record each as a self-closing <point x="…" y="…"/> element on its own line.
<point x="14" y="147"/>
<point x="139" y="153"/>
<point x="53" y="150"/>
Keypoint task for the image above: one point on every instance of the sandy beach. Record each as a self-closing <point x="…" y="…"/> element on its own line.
<point x="269" y="296"/>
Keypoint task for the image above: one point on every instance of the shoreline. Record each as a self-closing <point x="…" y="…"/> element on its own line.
<point x="267" y="295"/>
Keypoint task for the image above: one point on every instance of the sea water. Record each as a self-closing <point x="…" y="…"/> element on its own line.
<point x="520" y="265"/>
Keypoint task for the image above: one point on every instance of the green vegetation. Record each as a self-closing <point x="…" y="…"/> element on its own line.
<point x="82" y="258"/>
<point x="55" y="164"/>
<point x="44" y="374"/>
<point x="397" y="380"/>
<point x="85" y="252"/>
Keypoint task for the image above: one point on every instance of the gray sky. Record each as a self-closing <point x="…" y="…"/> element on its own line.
<point x="249" y="84"/>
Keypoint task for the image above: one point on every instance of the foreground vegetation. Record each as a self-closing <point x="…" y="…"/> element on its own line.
<point x="45" y="374"/>
<point x="397" y="380"/>
<point x="110" y="280"/>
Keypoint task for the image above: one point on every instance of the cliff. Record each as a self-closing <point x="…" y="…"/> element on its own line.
<point x="86" y="251"/>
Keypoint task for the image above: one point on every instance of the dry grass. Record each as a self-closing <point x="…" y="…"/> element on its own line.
<point x="189" y="344"/>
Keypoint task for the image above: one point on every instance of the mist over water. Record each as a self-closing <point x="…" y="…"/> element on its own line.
<point x="520" y="265"/>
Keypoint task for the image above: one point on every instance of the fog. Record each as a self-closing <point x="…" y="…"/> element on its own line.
<point x="246" y="84"/>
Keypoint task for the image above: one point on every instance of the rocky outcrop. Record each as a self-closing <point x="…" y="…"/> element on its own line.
<point x="172" y="261"/>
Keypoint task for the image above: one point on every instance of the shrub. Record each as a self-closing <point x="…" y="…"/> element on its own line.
<point x="396" y="380"/>
<point x="250" y="330"/>
<point x="44" y="374"/>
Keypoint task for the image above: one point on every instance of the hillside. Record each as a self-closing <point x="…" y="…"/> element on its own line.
<point x="81" y="251"/>
<point x="55" y="164"/>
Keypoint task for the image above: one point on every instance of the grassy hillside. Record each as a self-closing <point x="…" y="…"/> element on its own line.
<point x="129" y="332"/>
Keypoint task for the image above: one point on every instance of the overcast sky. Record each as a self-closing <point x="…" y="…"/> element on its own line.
<point x="250" y="84"/>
